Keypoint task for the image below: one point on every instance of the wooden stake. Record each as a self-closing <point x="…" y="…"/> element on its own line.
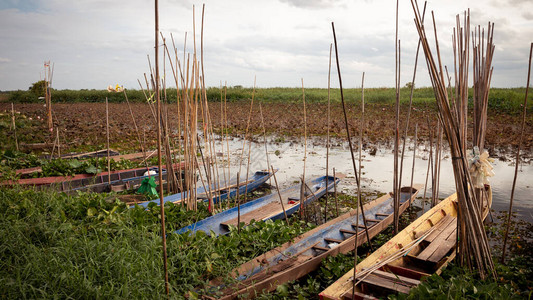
<point x="238" y="206"/>
<point x="14" y="126"/>
<point x="348" y="131"/>
<point x="279" y="194"/>
<point x="107" y="133"/>
<point x="327" y="139"/>
<point x="335" y="193"/>
<point x="302" y="193"/>
<point x="517" y="160"/>
<point x="159" y="154"/>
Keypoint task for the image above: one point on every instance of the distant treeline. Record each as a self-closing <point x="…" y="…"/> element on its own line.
<point x="508" y="100"/>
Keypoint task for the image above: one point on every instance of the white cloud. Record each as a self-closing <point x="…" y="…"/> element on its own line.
<point x="94" y="42"/>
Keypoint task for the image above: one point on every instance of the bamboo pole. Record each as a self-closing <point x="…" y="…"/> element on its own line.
<point x="279" y="194"/>
<point x="359" y="198"/>
<point x="414" y="159"/>
<point x="474" y="251"/>
<point x="107" y="134"/>
<point x="348" y="131"/>
<point x="335" y="193"/>
<point x="396" y="188"/>
<point x="404" y="138"/>
<point x="302" y="193"/>
<point x="14" y="126"/>
<point x="238" y="206"/>
<point x="327" y="138"/>
<point x="264" y="138"/>
<point x="159" y="154"/>
<point x="517" y="160"/>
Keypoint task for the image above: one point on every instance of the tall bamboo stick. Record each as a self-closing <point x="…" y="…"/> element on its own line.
<point x="327" y="138"/>
<point x="359" y="198"/>
<point x="14" y="126"/>
<point x="396" y="188"/>
<point x="279" y="194"/>
<point x="302" y="193"/>
<point x="159" y="154"/>
<point x="107" y="134"/>
<point x="348" y="131"/>
<point x="517" y="160"/>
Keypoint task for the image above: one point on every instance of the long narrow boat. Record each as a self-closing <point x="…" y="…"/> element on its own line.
<point x="425" y="247"/>
<point x="305" y="253"/>
<point x="265" y="208"/>
<point x="219" y="191"/>
<point x="120" y="180"/>
<point x="69" y="182"/>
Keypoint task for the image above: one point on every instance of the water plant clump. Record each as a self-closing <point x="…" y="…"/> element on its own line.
<point x="60" y="246"/>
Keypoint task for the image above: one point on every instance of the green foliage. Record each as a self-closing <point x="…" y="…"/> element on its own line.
<point x="455" y="283"/>
<point x="92" y="246"/>
<point x="38" y="88"/>
<point x="507" y="100"/>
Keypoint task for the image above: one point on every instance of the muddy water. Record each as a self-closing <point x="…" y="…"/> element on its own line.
<point x="377" y="170"/>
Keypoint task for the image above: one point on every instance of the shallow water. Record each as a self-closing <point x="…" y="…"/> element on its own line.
<point x="377" y="170"/>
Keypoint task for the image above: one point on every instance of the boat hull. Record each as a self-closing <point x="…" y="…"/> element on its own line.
<point x="305" y="253"/>
<point x="429" y="243"/>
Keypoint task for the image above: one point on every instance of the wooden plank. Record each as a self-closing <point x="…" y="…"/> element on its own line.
<point x="439" y="254"/>
<point x="403" y="279"/>
<point x="382" y="215"/>
<point x="440" y="243"/>
<point x="363" y="226"/>
<point x="321" y="248"/>
<point x="407" y="272"/>
<point x="360" y="296"/>
<point x="386" y="283"/>
<point x="440" y="226"/>
<point x="331" y="240"/>
<point x="372" y="220"/>
<point x="347" y="231"/>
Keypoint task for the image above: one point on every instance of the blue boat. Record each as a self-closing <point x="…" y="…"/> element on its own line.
<point x="305" y="253"/>
<point x="265" y="208"/>
<point x="221" y="192"/>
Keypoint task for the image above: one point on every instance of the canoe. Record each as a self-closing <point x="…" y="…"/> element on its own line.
<point x="128" y="181"/>
<point x="265" y="208"/>
<point x="305" y="253"/>
<point x="425" y="247"/>
<point x="98" y="182"/>
<point x="220" y="192"/>
<point x="115" y="157"/>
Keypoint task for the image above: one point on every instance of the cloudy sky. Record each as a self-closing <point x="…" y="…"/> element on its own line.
<point x="94" y="43"/>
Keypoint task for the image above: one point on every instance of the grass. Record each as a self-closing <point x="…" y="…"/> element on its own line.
<point x="503" y="99"/>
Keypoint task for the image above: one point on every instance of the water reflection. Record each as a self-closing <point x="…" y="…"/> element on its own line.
<point x="377" y="169"/>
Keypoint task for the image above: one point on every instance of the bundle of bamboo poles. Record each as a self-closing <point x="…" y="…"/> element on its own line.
<point x="474" y="250"/>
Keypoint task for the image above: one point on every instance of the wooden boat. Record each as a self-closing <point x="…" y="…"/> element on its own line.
<point x="265" y="208"/>
<point x="113" y="156"/>
<point x="305" y="253"/>
<point x="220" y="192"/>
<point x="88" y="182"/>
<point x="425" y="247"/>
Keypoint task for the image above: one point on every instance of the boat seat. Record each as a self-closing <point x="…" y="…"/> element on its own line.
<point x="441" y="241"/>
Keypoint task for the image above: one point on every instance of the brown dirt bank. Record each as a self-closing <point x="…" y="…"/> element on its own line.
<point x="83" y="124"/>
